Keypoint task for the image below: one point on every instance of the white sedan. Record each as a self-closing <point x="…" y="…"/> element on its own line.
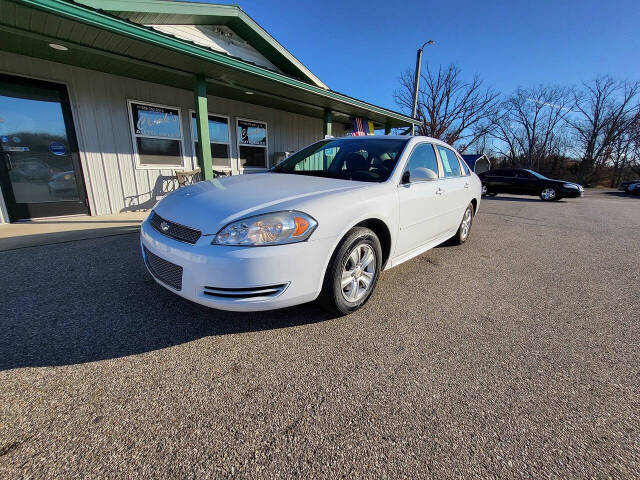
<point x="322" y="224"/>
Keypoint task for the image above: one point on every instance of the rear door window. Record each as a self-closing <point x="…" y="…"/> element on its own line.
<point x="449" y="160"/>
<point x="523" y="174"/>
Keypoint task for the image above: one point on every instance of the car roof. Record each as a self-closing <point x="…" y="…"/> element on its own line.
<point x="415" y="138"/>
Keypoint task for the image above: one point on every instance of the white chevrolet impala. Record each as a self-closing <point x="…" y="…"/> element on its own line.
<point x="322" y="224"/>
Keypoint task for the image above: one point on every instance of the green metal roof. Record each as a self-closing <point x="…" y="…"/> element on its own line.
<point x="101" y="41"/>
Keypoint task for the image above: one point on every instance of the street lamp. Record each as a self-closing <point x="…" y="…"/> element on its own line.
<point x="416" y="82"/>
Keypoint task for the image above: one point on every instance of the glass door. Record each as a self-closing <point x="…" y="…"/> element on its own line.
<point x="40" y="170"/>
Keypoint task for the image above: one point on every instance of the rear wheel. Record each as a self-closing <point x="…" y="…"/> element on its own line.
<point x="352" y="273"/>
<point x="465" y="227"/>
<point x="486" y="192"/>
<point x="549" y="194"/>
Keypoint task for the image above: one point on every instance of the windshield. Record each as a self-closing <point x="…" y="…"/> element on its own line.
<point x="364" y="160"/>
<point x="541" y="177"/>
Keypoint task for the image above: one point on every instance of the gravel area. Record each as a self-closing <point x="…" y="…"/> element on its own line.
<point x="516" y="355"/>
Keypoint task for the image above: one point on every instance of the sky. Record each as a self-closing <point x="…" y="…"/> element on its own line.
<point x="360" y="48"/>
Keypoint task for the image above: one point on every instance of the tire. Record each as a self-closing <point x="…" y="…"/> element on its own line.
<point x="464" y="230"/>
<point x="358" y="244"/>
<point x="549" y="194"/>
<point x="484" y="191"/>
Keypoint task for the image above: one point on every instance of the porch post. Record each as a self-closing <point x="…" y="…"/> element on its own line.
<point x="326" y="128"/>
<point x="387" y="129"/>
<point x="202" y="126"/>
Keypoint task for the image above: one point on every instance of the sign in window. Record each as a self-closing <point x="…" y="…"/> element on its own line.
<point x="252" y="143"/>
<point x="157" y="135"/>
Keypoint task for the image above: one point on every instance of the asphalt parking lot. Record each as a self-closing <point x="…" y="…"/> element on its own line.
<point x="514" y="356"/>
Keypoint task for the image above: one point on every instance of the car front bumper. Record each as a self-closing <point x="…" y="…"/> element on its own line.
<point x="571" y="193"/>
<point x="240" y="279"/>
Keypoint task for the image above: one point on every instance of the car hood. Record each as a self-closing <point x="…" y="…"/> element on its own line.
<point x="210" y="205"/>
<point x="562" y="182"/>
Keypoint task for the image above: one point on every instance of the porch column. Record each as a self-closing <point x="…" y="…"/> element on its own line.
<point x="326" y="128"/>
<point x="387" y="129"/>
<point x="202" y="126"/>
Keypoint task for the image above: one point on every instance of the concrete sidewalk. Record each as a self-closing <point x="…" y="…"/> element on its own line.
<point x="47" y="231"/>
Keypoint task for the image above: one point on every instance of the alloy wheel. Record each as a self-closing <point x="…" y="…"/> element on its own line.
<point x="548" y="194"/>
<point x="358" y="273"/>
<point x="465" y="227"/>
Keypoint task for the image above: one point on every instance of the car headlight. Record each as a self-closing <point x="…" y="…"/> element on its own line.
<point x="571" y="185"/>
<point x="275" y="228"/>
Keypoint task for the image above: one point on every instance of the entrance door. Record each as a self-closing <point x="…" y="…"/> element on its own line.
<point x="40" y="170"/>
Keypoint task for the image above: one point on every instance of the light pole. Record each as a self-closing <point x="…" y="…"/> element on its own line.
<point x="416" y="83"/>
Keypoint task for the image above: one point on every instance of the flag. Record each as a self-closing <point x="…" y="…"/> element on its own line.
<point x="361" y="127"/>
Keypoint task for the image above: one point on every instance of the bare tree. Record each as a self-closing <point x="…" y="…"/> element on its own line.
<point x="529" y="124"/>
<point x="632" y="154"/>
<point x="450" y="108"/>
<point x="625" y="149"/>
<point x="603" y="110"/>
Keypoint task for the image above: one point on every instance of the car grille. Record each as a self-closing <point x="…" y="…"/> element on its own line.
<point x="165" y="271"/>
<point x="244" y="293"/>
<point x="174" y="230"/>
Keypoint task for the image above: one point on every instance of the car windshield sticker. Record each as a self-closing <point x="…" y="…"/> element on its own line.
<point x="445" y="161"/>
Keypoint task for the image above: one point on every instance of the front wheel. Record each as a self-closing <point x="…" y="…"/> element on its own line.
<point x="549" y="194"/>
<point x="352" y="273"/>
<point x="465" y="226"/>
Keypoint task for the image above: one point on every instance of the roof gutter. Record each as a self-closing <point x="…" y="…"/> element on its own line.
<point x="104" y="21"/>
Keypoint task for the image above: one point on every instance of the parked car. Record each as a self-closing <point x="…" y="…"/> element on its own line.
<point x="30" y="170"/>
<point x="522" y="181"/>
<point x="322" y="224"/>
<point x="625" y="185"/>
<point x="63" y="183"/>
<point x="634" y="188"/>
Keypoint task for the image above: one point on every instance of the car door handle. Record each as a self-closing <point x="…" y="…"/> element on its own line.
<point x="467" y="185"/>
<point x="439" y="191"/>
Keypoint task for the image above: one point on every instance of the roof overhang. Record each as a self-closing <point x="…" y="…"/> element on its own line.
<point x="103" y="42"/>
<point x="146" y="12"/>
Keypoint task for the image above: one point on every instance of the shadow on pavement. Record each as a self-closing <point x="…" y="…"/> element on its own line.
<point x="17" y="242"/>
<point x="621" y="194"/>
<point x="93" y="299"/>
<point x="513" y="199"/>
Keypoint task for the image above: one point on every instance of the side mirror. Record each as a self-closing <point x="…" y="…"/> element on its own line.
<point x="422" y="174"/>
<point x="406" y="177"/>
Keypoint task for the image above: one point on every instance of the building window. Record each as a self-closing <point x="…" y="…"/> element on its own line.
<point x="157" y="135"/>
<point x="219" y="136"/>
<point x="252" y="143"/>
